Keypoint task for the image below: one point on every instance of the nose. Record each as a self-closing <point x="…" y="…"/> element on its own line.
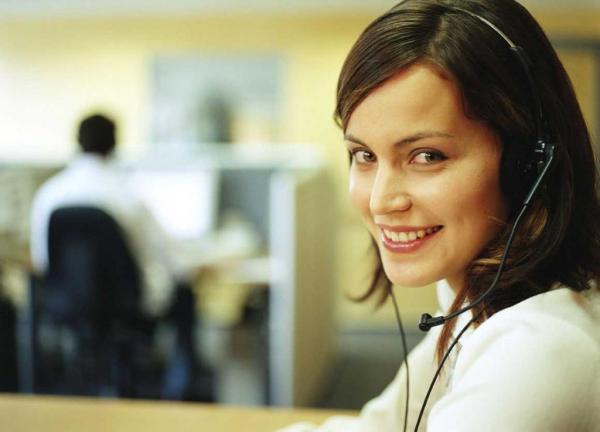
<point x="388" y="194"/>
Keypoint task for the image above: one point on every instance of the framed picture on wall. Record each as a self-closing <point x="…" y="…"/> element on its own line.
<point x="199" y="100"/>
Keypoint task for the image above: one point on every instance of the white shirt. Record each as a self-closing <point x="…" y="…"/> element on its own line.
<point x="532" y="367"/>
<point x="92" y="180"/>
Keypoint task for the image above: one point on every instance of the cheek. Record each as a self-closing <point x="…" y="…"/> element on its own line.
<point x="483" y="206"/>
<point x="487" y="195"/>
<point x="360" y="193"/>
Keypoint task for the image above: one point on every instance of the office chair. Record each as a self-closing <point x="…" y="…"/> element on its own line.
<point x="91" y="296"/>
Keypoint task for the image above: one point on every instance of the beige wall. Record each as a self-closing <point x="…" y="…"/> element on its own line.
<point x="52" y="72"/>
<point x="582" y="66"/>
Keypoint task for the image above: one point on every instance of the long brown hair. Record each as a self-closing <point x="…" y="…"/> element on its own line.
<point x="558" y="241"/>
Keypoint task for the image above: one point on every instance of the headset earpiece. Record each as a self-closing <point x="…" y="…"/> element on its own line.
<point x="518" y="168"/>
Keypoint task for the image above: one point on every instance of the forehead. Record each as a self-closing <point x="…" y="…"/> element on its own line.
<point x="420" y="95"/>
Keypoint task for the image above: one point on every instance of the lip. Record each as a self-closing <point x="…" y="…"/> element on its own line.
<point x="410" y="246"/>
<point x="398" y="228"/>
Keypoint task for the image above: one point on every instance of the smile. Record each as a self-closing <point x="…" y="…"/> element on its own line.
<point x="409" y="236"/>
<point x="406" y="240"/>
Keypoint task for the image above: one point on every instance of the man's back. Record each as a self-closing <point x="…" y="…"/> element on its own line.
<point x="92" y="180"/>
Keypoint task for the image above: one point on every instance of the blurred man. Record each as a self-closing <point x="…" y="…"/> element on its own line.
<point x="92" y="179"/>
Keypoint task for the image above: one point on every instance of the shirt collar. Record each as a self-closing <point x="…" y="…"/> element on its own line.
<point x="88" y="159"/>
<point x="445" y="296"/>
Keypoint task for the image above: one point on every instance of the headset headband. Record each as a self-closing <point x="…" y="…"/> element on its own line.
<point x="526" y="66"/>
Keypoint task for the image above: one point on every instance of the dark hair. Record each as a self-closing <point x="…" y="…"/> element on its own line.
<point x="97" y="135"/>
<point x="559" y="239"/>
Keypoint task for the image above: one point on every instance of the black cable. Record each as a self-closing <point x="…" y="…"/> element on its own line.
<point x="405" y="352"/>
<point x="439" y="369"/>
<point x="478" y="301"/>
<point x="543" y="155"/>
<point x="481" y="298"/>
<point x="427" y="321"/>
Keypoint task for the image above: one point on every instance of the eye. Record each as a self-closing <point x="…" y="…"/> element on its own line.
<point x="428" y="157"/>
<point x="363" y="156"/>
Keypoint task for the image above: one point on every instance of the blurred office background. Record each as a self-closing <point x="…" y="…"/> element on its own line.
<point x="225" y="124"/>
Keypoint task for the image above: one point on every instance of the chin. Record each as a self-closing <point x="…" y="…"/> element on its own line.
<point x="409" y="279"/>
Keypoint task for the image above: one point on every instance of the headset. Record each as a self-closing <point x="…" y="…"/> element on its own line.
<point x="543" y="155"/>
<point x="539" y="161"/>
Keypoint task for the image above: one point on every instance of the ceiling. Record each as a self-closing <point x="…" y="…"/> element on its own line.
<point x="80" y="8"/>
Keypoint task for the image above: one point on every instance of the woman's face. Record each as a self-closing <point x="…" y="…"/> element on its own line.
<point x="424" y="177"/>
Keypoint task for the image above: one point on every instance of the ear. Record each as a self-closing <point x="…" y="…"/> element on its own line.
<point x="517" y="169"/>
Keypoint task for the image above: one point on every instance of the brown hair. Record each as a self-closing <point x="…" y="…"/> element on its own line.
<point x="558" y="241"/>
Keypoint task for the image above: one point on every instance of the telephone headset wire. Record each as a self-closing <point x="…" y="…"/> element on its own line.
<point x="404" y="353"/>
<point x="439" y="369"/>
<point x="483" y="296"/>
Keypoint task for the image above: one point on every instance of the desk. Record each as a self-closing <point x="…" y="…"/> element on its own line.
<point x="53" y="414"/>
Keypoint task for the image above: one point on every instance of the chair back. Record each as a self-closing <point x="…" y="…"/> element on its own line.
<point x="92" y="275"/>
<point x="92" y="292"/>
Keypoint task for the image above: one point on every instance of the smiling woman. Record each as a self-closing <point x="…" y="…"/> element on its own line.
<point x="472" y="166"/>
<point x="412" y="143"/>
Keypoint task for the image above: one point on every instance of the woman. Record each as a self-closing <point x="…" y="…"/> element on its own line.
<point x="448" y="126"/>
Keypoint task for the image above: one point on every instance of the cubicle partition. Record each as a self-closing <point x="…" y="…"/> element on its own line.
<point x="293" y="208"/>
<point x="284" y="196"/>
<point x="302" y="288"/>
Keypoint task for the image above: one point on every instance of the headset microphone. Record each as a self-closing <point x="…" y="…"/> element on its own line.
<point x="542" y="157"/>
<point x="427" y="321"/>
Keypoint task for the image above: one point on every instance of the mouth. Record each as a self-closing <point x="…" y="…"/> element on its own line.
<point x="407" y="240"/>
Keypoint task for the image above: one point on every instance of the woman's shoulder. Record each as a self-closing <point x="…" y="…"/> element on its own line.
<point x="555" y="316"/>
<point x="553" y="333"/>
<point x="534" y="366"/>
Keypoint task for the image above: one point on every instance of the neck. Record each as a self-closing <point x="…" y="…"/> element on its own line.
<point x="456" y="282"/>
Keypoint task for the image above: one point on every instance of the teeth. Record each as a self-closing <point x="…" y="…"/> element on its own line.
<point x="409" y="236"/>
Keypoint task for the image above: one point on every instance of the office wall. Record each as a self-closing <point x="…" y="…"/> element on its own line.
<point x="53" y="71"/>
<point x="582" y="63"/>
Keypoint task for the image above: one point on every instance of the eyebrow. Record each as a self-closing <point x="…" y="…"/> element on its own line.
<point x="407" y="140"/>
